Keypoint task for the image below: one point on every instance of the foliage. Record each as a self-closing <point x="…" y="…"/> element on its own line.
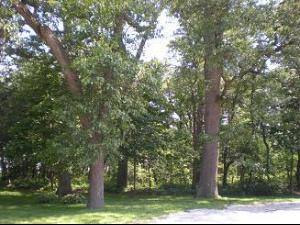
<point x="73" y="199"/>
<point x="147" y="113"/>
<point x="49" y="198"/>
<point x="29" y="184"/>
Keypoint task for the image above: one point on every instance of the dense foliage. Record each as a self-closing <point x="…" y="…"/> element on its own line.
<point x="76" y="94"/>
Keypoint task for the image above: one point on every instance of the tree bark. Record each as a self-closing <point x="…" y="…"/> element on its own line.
<point x="64" y="184"/>
<point x="198" y="117"/>
<point x="141" y="46"/>
<point x="227" y="162"/>
<point x="242" y="171"/>
<point x="213" y="15"/>
<point x="226" y="165"/>
<point x="290" y="169"/>
<point x="268" y="151"/>
<point x="298" y="172"/>
<point x="3" y="169"/>
<point x="122" y="179"/>
<point x="48" y="36"/>
<point x="196" y="173"/>
<point x="213" y="70"/>
<point x="96" y="188"/>
<point x="134" y="173"/>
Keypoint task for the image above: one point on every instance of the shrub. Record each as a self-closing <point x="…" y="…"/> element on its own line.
<point x="29" y="184"/>
<point x="257" y="188"/>
<point x="175" y="189"/>
<point x="49" y="198"/>
<point x="112" y="188"/>
<point x="73" y="199"/>
<point x="262" y="188"/>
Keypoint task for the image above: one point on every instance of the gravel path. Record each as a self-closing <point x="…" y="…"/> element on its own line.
<point x="274" y="213"/>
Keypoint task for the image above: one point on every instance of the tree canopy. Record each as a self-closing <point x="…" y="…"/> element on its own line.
<point x="79" y="103"/>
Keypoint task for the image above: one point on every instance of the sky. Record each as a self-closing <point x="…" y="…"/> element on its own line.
<point x="158" y="48"/>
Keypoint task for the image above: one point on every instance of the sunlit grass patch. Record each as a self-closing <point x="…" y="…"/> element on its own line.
<point x="17" y="207"/>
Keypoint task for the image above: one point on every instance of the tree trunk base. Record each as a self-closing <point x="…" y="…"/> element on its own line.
<point x="64" y="184"/>
<point x="122" y="174"/>
<point x="96" y="182"/>
<point x="208" y="185"/>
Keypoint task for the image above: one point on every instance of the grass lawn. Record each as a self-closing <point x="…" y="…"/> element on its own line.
<point x="17" y="207"/>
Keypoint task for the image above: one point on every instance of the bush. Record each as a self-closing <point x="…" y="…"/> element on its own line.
<point x="112" y="188"/>
<point x="175" y="189"/>
<point x="262" y="188"/>
<point x="29" y="184"/>
<point x="257" y="188"/>
<point x="49" y="198"/>
<point x="73" y="199"/>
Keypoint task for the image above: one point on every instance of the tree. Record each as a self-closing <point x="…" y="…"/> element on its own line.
<point x="67" y="54"/>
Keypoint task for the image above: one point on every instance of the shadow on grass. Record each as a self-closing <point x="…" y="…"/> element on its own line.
<point x="18" y="207"/>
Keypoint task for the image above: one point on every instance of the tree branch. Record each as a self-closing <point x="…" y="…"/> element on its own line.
<point x="48" y="36"/>
<point x="142" y="46"/>
<point x="135" y="24"/>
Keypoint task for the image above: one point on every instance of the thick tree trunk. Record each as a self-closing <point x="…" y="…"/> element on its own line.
<point x="298" y="172"/>
<point x="122" y="179"/>
<point x="208" y="186"/>
<point x="64" y="184"/>
<point x="96" y="188"/>
<point x="213" y="16"/>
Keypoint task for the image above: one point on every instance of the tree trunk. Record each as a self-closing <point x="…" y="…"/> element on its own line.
<point x="214" y="13"/>
<point x="155" y="177"/>
<point x="225" y="165"/>
<point x="96" y="188"/>
<point x="268" y="151"/>
<point x="290" y="169"/>
<point x="64" y="184"/>
<point x="196" y="173"/>
<point x="225" y="174"/>
<point x="242" y="171"/>
<point x="198" y="117"/>
<point x="134" y="174"/>
<point x="213" y="70"/>
<point x="3" y="169"/>
<point x="33" y="172"/>
<point x="122" y="179"/>
<point x="149" y="175"/>
<point x="225" y="177"/>
<point x="298" y="172"/>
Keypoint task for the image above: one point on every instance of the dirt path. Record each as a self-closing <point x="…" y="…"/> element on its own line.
<point x="274" y="213"/>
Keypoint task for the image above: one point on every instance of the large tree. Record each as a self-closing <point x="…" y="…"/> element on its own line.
<point x="46" y="20"/>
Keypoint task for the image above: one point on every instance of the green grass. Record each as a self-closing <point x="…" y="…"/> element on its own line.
<point x="17" y="207"/>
